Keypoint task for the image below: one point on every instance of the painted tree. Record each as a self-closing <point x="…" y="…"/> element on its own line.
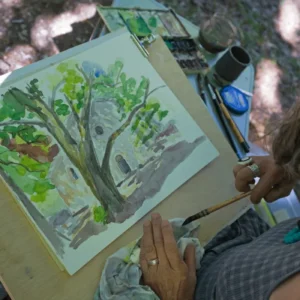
<point x="31" y="120"/>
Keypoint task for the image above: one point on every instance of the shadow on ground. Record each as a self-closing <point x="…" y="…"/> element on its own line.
<point x="270" y="31"/>
<point x="31" y="30"/>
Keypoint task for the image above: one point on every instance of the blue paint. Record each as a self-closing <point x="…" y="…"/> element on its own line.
<point x="91" y="68"/>
<point x="235" y="100"/>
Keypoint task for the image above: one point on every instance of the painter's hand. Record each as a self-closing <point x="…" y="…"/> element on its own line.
<point x="273" y="184"/>
<point x="172" y="278"/>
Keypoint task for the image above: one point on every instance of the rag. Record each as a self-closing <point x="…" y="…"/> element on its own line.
<point x="121" y="276"/>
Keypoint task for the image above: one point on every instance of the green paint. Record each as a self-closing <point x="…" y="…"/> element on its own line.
<point x="28" y="134"/>
<point x="62" y="109"/>
<point x="31" y="175"/>
<point x="74" y="87"/>
<point x="4" y="138"/>
<point x="11" y="108"/>
<point x="169" y="45"/>
<point x="152" y="21"/>
<point x="135" y="23"/>
<point x="39" y="197"/>
<point x="112" y="17"/>
<point x="143" y="124"/>
<point x="31" y="115"/>
<point x="43" y="186"/>
<point x="52" y="204"/>
<point x="100" y="215"/>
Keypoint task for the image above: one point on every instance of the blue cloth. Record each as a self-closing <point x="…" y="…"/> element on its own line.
<point x="3" y="293"/>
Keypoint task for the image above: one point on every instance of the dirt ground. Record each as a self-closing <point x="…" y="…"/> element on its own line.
<point x="31" y="30"/>
<point x="34" y="29"/>
<point x="270" y="31"/>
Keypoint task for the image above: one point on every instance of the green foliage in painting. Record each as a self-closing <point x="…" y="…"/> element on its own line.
<point x="14" y="101"/>
<point x="74" y="87"/>
<point x="61" y="108"/>
<point x="11" y="108"/>
<point x="127" y="94"/>
<point x="20" y="167"/>
<point x="115" y="86"/>
<point x="27" y="133"/>
<point x="144" y="125"/>
<point x="100" y="215"/>
<point x="33" y="127"/>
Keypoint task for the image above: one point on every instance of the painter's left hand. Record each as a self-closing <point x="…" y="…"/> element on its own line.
<point x="173" y="278"/>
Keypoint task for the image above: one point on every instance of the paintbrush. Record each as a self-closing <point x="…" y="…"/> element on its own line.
<point x="221" y="117"/>
<point x="231" y="122"/>
<point x="214" y="208"/>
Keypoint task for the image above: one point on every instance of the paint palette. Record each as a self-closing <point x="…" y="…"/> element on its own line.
<point x="158" y="22"/>
<point x="143" y="22"/>
<point x="188" y="55"/>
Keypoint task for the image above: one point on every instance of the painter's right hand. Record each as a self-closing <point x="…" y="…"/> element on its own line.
<point x="273" y="184"/>
<point x="174" y="277"/>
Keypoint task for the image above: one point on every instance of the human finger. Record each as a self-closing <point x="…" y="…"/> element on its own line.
<point x="148" y="251"/>
<point x="143" y="261"/>
<point x="279" y="192"/>
<point x="242" y="163"/>
<point x="170" y="244"/>
<point x="158" y="238"/>
<point x="243" y="179"/>
<point x="237" y="168"/>
<point x="262" y="189"/>
<point x="190" y="259"/>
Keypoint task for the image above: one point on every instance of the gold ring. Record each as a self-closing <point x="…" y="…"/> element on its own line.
<point x="153" y="262"/>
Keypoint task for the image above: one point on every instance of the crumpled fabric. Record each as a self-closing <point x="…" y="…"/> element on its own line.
<point x="121" y="276"/>
<point x="3" y="293"/>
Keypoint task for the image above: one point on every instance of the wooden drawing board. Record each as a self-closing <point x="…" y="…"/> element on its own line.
<point x="28" y="271"/>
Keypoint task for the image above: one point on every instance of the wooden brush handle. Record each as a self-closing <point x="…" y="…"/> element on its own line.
<point x="228" y="202"/>
<point x="232" y="124"/>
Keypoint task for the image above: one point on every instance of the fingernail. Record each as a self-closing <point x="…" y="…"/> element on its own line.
<point x="147" y="223"/>
<point x="155" y="216"/>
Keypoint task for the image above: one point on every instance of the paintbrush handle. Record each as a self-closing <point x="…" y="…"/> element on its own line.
<point x="232" y="124"/>
<point x="212" y="209"/>
<point x="228" y="202"/>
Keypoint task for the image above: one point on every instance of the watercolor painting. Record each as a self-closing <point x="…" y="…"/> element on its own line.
<point x="135" y="23"/>
<point x="112" y="19"/>
<point x="174" y="27"/>
<point x="89" y="145"/>
<point x="154" y="22"/>
<point x="143" y="22"/>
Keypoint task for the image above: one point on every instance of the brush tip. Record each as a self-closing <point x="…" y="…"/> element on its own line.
<point x="187" y="221"/>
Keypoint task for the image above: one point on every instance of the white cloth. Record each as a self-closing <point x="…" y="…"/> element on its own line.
<point x="121" y="275"/>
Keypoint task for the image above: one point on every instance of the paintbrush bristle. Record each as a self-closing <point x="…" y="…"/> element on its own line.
<point x="195" y="217"/>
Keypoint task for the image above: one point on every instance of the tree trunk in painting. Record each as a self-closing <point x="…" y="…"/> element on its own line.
<point x="40" y="221"/>
<point x="80" y="150"/>
<point x="106" y="192"/>
<point x="106" y="171"/>
<point x="83" y="156"/>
